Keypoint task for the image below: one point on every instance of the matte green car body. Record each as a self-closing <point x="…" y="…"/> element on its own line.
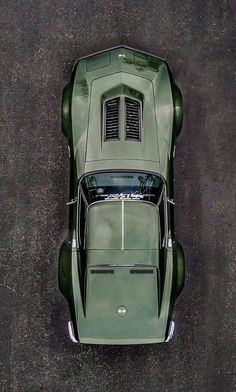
<point x="121" y="285"/>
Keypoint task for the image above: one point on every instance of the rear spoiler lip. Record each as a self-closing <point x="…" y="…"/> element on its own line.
<point x="118" y="47"/>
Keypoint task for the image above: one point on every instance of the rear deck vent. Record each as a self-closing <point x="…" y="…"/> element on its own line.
<point x="112" y="119"/>
<point x="141" y="271"/>
<point x="102" y="271"/>
<point x="133" y="120"/>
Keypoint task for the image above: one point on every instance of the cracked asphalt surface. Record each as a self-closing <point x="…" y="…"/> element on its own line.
<point x="39" y="43"/>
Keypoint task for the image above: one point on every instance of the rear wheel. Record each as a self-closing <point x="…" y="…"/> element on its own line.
<point x="178" y="109"/>
<point x="66" y="110"/>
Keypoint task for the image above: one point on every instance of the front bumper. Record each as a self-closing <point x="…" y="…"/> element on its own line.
<point x="121" y="341"/>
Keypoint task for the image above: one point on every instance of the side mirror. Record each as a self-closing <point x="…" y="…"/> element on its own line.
<point x="171" y="201"/>
<point x="72" y="201"/>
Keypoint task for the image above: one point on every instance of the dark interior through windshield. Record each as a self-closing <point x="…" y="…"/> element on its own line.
<point x="122" y="185"/>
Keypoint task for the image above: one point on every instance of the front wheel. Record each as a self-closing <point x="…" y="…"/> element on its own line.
<point x="64" y="270"/>
<point x="179" y="269"/>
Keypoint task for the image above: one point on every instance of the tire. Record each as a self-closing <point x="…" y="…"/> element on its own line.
<point x="180" y="269"/>
<point x="64" y="270"/>
<point x="66" y="110"/>
<point x="178" y="109"/>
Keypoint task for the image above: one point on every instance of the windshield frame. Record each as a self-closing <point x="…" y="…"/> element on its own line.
<point x="146" y="172"/>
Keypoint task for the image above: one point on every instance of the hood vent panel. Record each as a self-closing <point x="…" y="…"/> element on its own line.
<point x="112" y="119"/>
<point x="133" y="120"/>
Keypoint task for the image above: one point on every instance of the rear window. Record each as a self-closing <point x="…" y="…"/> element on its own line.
<point x="122" y="185"/>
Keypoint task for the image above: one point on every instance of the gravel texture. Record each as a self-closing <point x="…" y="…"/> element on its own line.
<point x="40" y="40"/>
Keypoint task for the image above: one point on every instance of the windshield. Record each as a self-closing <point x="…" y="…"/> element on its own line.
<point x="122" y="185"/>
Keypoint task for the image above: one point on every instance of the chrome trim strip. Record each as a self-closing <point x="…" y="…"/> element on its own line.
<point x="171" y="331"/>
<point x="122" y="225"/>
<point x="170" y="243"/>
<point x="71" y="332"/>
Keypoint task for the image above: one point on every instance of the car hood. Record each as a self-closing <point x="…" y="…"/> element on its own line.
<point x="108" y="289"/>
<point x="121" y="301"/>
<point x="122" y="249"/>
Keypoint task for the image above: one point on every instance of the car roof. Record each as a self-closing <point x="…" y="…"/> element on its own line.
<point x="122" y="225"/>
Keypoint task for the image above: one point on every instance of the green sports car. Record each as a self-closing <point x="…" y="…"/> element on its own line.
<point x="120" y="268"/>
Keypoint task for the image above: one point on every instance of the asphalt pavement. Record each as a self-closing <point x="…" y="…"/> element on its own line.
<point x="39" y="41"/>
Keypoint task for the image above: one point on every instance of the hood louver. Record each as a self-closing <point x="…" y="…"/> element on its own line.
<point x="112" y="119"/>
<point x="133" y="120"/>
